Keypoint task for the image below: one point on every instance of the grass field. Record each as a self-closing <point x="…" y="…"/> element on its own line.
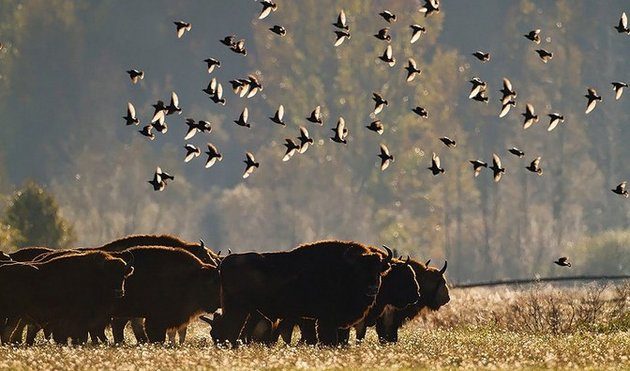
<point x="542" y="327"/>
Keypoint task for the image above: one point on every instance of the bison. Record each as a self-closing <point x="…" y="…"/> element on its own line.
<point x="332" y="282"/>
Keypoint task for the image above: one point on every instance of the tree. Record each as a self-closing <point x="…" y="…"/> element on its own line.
<point x="35" y="215"/>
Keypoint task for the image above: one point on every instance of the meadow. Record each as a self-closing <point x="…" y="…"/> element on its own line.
<point x="585" y="327"/>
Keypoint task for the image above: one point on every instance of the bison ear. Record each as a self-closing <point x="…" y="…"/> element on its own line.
<point x="427" y="263"/>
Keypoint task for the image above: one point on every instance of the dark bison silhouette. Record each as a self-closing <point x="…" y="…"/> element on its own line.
<point x="332" y="282"/>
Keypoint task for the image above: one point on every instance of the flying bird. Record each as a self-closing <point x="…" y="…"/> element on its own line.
<point x="147" y="131"/>
<point x="435" y="165"/>
<point x="278" y="30"/>
<point x="533" y="36"/>
<point x="618" y="88"/>
<point x="242" y="119"/>
<point x="342" y="35"/>
<point x="420" y="111"/>
<point x="530" y="116"/>
<point x="385" y="157"/>
<point x="478" y="86"/>
<point x="192" y="128"/>
<point x="159" y="111"/>
<point x="376" y="126"/>
<point x="159" y="179"/>
<point x="229" y="40"/>
<point x="379" y="103"/>
<point x="412" y="70"/>
<point x="534" y="166"/>
<point x="217" y="96"/>
<point x="482" y="56"/>
<point x="250" y="165"/>
<point x="341" y="132"/>
<point x="131" y="118"/>
<point x="160" y="125"/>
<point x="383" y="34"/>
<point x="316" y="116"/>
<point x="450" y="143"/>
<point x="430" y="7"/>
<point x="305" y="139"/>
<point x="477" y="166"/>
<point x="268" y="6"/>
<point x="621" y="189"/>
<point x="481" y="97"/>
<point x="388" y="16"/>
<point x="416" y="32"/>
<point x="387" y="56"/>
<point x="341" y="21"/>
<point x="622" y="27"/>
<point x="592" y="100"/>
<point x="239" y="47"/>
<point x="213" y="155"/>
<point x="182" y="27"/>
<point x="254" y="86"/>
<point x="240" y="87"/>
<point x="508" y="92"/>
<point x="544" y="55"/>
<point x="496" y="167"/>
<point x="516" y="152"/>
<point x="563" y="262"/>
<point x="292" y="147"/>
<point x="135" y="75"/>
<point x="555" y="120"/>
<point x="191" y="152"/>
<point x="278" y="116"/>
<point x="173" y="105"/>
<point x="506" y="107"/>
<point x="212" y="64"/>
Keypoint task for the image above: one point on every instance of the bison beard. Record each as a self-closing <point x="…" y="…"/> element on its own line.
<point x="332" y="282"/>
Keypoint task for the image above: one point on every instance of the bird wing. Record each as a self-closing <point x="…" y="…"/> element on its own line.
<point x="505" y="110"/>
<point x="317" y="112"/>
<point x="474" y="91"/>
<point x="530" y="109"/>
<point x="131" y="110"/>
<point x="496" y="161"/>
<point x="211" y="161"/>
<point x="250" y="157"/>
<point x="219" y="92"/>
<point x="158" y="116"/>
<point x="415" y="35"/>
<point x="244" y="115"/>
<point x="536" y="163"/>
<point x="388" y="52"/>
<point x="384" y="150"/>
<point x="618" y="92"/>
<point x="412" y="64"/>
<point x="280" y="113"/>
<point x="507" y="84"/>
<point x="174" y="99"/>
<point x="190" y="133"/>
<point x="435" y="159"/>
<point x="553" y="123"/>
<point x="341" y="127"/>
<point x="341" y="37"/>
<point x="180" y="30"/>
<point x="590" y="106"/>
<point x="623" y="21"/>
<point x="341" y="19"/>
<point x="213" y="84"/>
<point x="266" y="10"/>
<point x="591" y="91"/>
<point x="303" y="132"/>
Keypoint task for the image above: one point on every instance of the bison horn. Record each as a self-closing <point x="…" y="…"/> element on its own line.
<point x="206" y="319"/>
<point x="444" y="267"/>
<point x="390" y="254"/>
<point x="229" y="251"/>
<point x="427" y="263"/>
<point x="203" y="244"/>
<point x="408" y="260"/>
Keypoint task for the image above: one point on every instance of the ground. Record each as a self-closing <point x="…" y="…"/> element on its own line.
<point x="490" y="328"/>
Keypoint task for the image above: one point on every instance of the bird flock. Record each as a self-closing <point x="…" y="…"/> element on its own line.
<point x="249" y="86"/>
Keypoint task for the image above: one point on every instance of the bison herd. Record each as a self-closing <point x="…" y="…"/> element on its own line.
<point x="159" y="284"/>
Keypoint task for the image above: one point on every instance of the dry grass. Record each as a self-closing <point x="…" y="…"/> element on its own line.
<point x="489" y="328"/>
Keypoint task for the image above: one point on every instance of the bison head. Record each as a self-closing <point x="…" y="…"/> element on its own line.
<point x="208" y="284"/>
<point x="399" y="287"/>
<point x="433" y="288"/>
<point x="115" y="272"/>
<point x="368" y="268"/>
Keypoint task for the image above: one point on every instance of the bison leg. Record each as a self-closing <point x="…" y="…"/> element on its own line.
<point x="156" y="331"/>
<point x="137" y="326"/>
<point x="31" y="333"/>
<point x="343" y="334"/>
<point x="118" y="329"/>
<point x="308" y="332"/>
<point x="16" y="337"/>
<point x="285" y="330"/>
<point x="387" y="333"/>
<point x="230" y="326"/>
<point x="9" y="328"/>
<point x="360" y="329"/>
<point x="327" y="333"/>
<point x="182" y="334"/>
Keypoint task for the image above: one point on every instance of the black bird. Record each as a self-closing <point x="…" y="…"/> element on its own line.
<point x="450" y="143"/>
<point x="213" y="155"/>
<point x="229" y="40"/>
<point x="507" y="91"/>
<point x="379" y="103"/>
<point x="563" y="262"/>
<point x="212" y="64"/>
<point x="316" y="116"/>
<point x="278" y="30"/>
<point x="477" y="166"/>
<point x="534" y="36"/>
<point x="182" y="27"/>
<point x="157" y="183"/>
<point x="496" y="167"/>
<point x="618" y="88"/>
<point x="506" y="107"/>
<point x="135" y="75"/>
<point x="160" y="125"/>
<point x="267" y="7"/>
<point x="621" y="189"/>
<point x="211" y="89"/>
<point x="242" y="119"/>
<point x="592" y="100"/>
<point x="420" y="111"/>
<point x="341" y="21"/>
<point x="292" y="147"/>
<point x="159" y="111"/>
<point x="240" y="87"/>
<point x="481" y="97"/>
<point x="534" y="166"/>
<point x="516" y="152"/>
<point x="254" y="86"/>
<point x="173" y="105"/>
<point x="165" y="176"/>
<point x="305" y="139"/>
<point x="383" y="34"/>
<point x="131" y="118"/>
<point x="483" y="57"/>
<point x="217" y="97"/>
<point x="530" y="116"/>
<point x="278" y="116"/>
<point x="191" y="152"/>
<point x="435" y="165"/>
<point x="239" y="47"/>
<point x="388" y="16"/>
<point x="430" y="7"/>
<point x="376" y="126"/>
<point x="478" y="86"/>
<point x="204" y="126"/>
<point x="412" y="70"/>
<point x="555" y="119"/>
<point x="341" y="132"/>
<point x="387" y="56"/>
<point x="192" y="128"/>
<point x="147" y="131"/>
<point x="385" y="157"/>
<point x="416" y="32"/>
<point x="342" y="35"/>
<point x="622" y="27"/>
<point x="250" y="165"/>
<point x="544" y="55"/>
